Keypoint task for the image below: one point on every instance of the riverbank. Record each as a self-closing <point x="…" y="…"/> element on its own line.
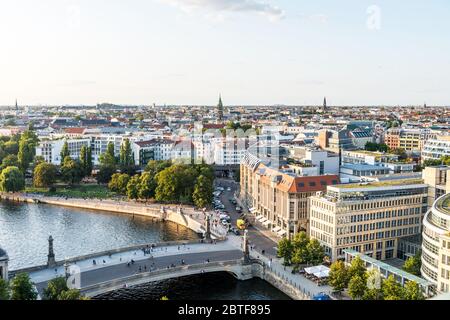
<point x="185" y="216"/>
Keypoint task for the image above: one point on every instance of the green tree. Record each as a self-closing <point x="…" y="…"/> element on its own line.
<point x="315" y="252"/>
<point x="412" y="291"/>
<point x="285" y="250"/>
<point x="413" y="264"/>
<point x="146" y="186"/>
<point x="44" y="175"/>
<point x="4" y="290"/>
<point x="133" y="188"/>
<point x="25" y="155"/>
<point x="357" y="287"/>
<point x="203" y="192"/>
<point x="126" y="161"/>
<point x="357" y="268"/>
<point x="105" y="173"/>
<point x="119" y="182"/>
<point x="64" y="152"/>
<point x="11" y="180"/>
<point x="10" y="161"/>
<point x="11" y="147"/>
<point x="86" y="160"/>
<point x="374" y="286"/>
<point x="22" y="288"/>
<point x="338" y="277"/>
<point x="71" y="294"/>
<point x="54" y="288"/>
<point x="392" y="290"/>
<point x="72" y="171"/>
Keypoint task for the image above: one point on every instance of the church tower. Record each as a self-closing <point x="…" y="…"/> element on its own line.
<point x="220" y="110"/>
<point x="324" y="104"/>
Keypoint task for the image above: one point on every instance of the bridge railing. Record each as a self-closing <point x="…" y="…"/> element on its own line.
<point x="121" y="282"/>
<point x="12" y="273"/>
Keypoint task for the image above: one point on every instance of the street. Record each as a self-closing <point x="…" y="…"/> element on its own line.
<point x="256" y="238"/>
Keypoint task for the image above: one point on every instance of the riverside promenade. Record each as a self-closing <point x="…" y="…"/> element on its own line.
<point x="186" y="216"/>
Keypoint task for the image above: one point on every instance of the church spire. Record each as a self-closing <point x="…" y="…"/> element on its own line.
<point x="324" y="103"/>
<point x="220" y="109"/>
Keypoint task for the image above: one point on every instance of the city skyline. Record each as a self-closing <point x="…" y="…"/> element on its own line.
<point x="184" y="52"/>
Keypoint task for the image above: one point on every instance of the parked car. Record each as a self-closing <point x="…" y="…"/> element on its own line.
<point x="228" y="189"/>
<point x="238" y="209"/>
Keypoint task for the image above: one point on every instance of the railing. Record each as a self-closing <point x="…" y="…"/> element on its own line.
<point x="117" y="283"/>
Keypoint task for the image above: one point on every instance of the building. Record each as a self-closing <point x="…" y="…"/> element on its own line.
<point x="3" y="264"/>
<point x="435" y="149"/>
<point x="154" y="149"/>
<point x="50" y="150"/>
<point x="326" y="162"/>
<point x="278" y="198"/>
<point x="436" y="244"/>
<point x="438" y="180"/>
<point x="335" y="140"/>
<point x="407" y="139"/>
<point x="220" y="109"/>
<point x="368" y="217"/>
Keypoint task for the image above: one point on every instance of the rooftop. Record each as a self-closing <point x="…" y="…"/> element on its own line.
<point x="385" y="183"/>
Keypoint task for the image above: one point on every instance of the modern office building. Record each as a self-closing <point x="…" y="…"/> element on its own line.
<point x="407" y="139"/>
<point x="278" y="198"/>
<point x="436" y="244"/>
<point x="368" y="217"/>
<point x="435" y="149"/>
<point x="438" y="180"/>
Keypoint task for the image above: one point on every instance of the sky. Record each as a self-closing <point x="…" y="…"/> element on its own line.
<point x="294" y="52"/>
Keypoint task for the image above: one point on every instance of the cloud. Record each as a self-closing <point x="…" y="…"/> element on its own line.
<point x="220" y="7"/>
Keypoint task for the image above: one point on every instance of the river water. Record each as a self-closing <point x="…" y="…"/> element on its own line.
<point x="25" y="228"/>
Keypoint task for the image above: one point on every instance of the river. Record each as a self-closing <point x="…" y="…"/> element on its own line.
<point x="25" y="228"/>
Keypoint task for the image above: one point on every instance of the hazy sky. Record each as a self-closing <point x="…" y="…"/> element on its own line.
<point x="253" y="52"/>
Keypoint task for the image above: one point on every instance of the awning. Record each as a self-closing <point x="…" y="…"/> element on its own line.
<point x="317" y="269"/>
<point x="276" y="229"/>
<point x="266" y="223"/>
<point x="281" y="233"/>
<point x="322" y="274"/>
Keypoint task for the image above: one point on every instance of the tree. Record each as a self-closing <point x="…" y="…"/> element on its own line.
<point x="72" y="170"/>
<point x="119" y="183"/>
<point x="357" y="268"/>
<point x="4" y="290"/>
<point x="284" y="251"/>
<point x="203" y="192"/>
<point x="11" y="147"/>
<point x="374" y="286"/>
<point x="315" y="252"/>
<point x="10" y="161"/>
<point x="412" y="291"/>
<point x="126" y="161"/>
<point x="11" y="180"/>
<point x="105" y="173"/>
<point x="71" y="294"/>
<point x="44" y="175"/>
<point x="54" y="288"/>
<point x="338" y="277"/>
<point x="392" y="290"/>
<point x="27" y="149"/>
<point x="357" y="287"/>
<point x="414" y="264"/>
<point x="146" y="186"/>
<point x="133" y="188"/>
<point x="64" y="152"/>
<point x="22" y="288"/>
<point x="86" y="160"/>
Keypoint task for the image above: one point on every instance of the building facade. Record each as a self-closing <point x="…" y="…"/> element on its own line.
<point x="436" y="244"/>
<point x="279" y="199"/>
<point x="368" y="217"/>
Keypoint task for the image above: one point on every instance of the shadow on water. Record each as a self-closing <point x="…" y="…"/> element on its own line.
<point x="209" y="286"/>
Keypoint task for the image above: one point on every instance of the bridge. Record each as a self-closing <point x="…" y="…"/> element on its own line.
<point x="99" y="273"/>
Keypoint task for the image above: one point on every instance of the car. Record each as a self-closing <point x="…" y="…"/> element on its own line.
<point x="238" y="209"/>
<point x="225" y="222"/>
<point x="228" y="189"/>
<point x="235" y="231"/>
<point x="224" y="216"/>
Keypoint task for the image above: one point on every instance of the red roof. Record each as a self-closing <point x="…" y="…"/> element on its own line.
<point x="74" y="130"/>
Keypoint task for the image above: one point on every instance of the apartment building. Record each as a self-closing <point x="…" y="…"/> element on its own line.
<point x="50" y="150"/>
<point x="326" y="162"/>
<point x="407" y="139"/>
<point x="278" y="198"/>
<point x="438" y="180"/>
<point x="369" y="218"/>
<point x="436" y="244"/>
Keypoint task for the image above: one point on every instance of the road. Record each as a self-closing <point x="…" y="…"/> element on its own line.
<point x="119" y="270"/>
<point x="256" y="238"/>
